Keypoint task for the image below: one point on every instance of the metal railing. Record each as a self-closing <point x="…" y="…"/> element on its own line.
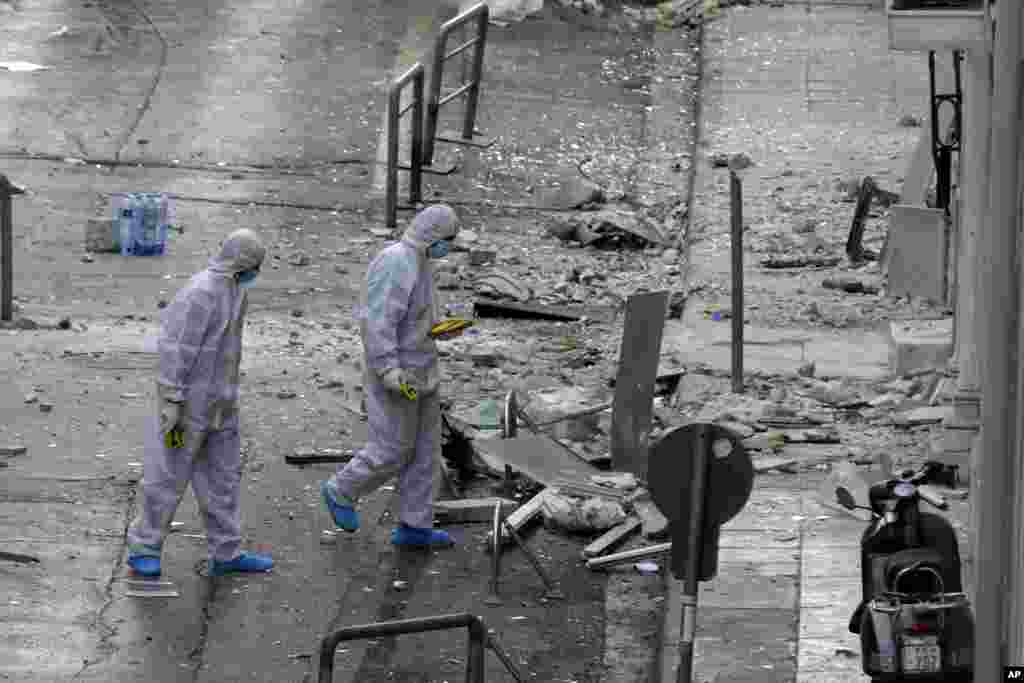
<point x="395" y="112"/>
<point x="479" y="639"/>
<point x="480" y="14"/>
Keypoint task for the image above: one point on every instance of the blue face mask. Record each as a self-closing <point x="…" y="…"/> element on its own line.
<point x="246" y="279"/>
<point x="439" y="249"/>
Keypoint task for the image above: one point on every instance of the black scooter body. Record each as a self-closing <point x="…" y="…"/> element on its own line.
<point x="922" y="550"/>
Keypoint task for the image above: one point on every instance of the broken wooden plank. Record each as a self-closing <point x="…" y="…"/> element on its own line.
<point x="769" y="463"/>
<point x="655" y="525"/>
<point x="630" y="556"/>
<point x="801" y="262"/>
<point x="311" y="457"/>
<point x="850" y="285"/>
<point x="525" y="514"/>
<point x="854" y="248"/>
<point x="923" y="416"/>
<point x="575" y="488"/>
<point x="612" y="537"/>
<point x="486" y="308"/>
<point x="468" y="510"/>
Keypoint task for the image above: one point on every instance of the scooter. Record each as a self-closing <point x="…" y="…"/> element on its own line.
<point x="914" y="621"/>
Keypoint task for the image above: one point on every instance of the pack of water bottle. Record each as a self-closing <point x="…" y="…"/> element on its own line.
<point x="141" y="222"/>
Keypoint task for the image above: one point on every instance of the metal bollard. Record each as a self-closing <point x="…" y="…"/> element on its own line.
<point x="736" y="203"/>
<point x="7" y="190"/>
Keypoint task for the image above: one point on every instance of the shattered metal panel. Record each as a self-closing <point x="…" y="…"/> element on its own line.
<point x="536" y="457"/>
<point x="635" y="383"/>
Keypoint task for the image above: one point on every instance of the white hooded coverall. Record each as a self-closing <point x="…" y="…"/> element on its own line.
<point x="200" y="348"/>
<point x="398" y="310"/>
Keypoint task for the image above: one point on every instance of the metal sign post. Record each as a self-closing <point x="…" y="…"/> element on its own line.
<point x="694" y="541"/>
<point x="700" y="477"/>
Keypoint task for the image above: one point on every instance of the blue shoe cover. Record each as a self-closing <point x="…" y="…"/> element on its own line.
<point x="144" y="565"/>
<point x="245" y="562"/>
<point x="421" y="538"/>
<point x="345" y="516"/>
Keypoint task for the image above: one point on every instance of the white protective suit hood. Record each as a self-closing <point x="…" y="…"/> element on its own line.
<point x="241" y="251"/>
<point x="433" y="223"/>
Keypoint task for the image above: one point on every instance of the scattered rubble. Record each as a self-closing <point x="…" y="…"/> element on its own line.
<point x="582" y="515"/>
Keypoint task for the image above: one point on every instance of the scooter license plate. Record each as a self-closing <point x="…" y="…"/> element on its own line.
<point x="921" y="655"/>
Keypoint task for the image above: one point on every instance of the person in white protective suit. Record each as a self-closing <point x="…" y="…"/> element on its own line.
<point x="398" y="310"/>
<point x="200" y="347"/>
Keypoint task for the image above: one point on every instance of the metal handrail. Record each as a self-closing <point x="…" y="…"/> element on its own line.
<point x="479" y="13"/>
<point x="478" y="639"/>
<point x="414" y="75"/>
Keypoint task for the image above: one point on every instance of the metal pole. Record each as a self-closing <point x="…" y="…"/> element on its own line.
<point x="7" y="253"/>
<point x="736" y="202"/>
<point x="475" y="670"/>
<point x="701" y="455"/>
<point x="434" y="97"/>
<point x="416" y="154"/>
<point x="552" y="591"/>
<point x="391" y="188"/>
<point x="493" y="599"/>
<point x="999" y="299"/>
<point x="473" y="94"/>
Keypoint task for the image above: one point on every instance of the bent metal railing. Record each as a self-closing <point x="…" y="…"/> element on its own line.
<point x="395" y="112"/>
<point x="480" y="14"/>
<point x="479" y="639"/>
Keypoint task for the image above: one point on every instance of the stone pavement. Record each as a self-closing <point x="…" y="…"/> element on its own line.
<point x="810" y="93"/>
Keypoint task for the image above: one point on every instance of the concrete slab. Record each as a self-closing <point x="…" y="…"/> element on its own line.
<point x="836" y="562"/>
<point x="825" y="622"/>
<point x="825" y="591"/>
<point x="749" y="589"/>
<point x="862" y="354"/>
<point x="917" y="252"/>
<point x="831" y="676"/>
<point x="921" y="344"/>
<point x="840" y="654"/>
<point x="771" y="637"/>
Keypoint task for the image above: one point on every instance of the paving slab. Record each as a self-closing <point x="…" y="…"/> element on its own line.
<point x="830" y="654"/>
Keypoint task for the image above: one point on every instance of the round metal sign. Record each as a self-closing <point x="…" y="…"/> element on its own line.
<point x="670" y="473"/>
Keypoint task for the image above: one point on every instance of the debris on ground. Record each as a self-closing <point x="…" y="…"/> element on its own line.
<point x="850" y="285"/>
<point x="612" y="537"/>
<point x="573" y="192"/>
<point x="655" y="525"/>
<point x="623" y="481"/>
<point x="469" y="510"/>
<point x="503" y="285"/>
<point x="780" y="262"/>
<point x="627" y="556"/>
<point x="11" y="450"/>
<point x="582" y="515"/>
<point x="299" y="259"/>
<point x="309" y="456"/>
<point x="526" y="513"/>
<point x="486" y="308"/>
<point x="612" y="227"/>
